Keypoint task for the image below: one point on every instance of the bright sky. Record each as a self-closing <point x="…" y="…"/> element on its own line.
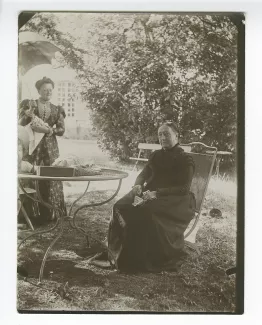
<point x="40" y="71"/>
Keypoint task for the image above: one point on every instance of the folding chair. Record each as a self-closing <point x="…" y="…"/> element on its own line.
<point x="204" y="161"/>
<point x="21" y="208"/>
<point x="204" y="157"/>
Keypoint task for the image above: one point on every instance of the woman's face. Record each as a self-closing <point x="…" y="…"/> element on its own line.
<point x="46" y="91"/>
<point x="167" y="137"/>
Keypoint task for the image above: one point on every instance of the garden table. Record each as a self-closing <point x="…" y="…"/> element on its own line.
<point x="106" y="175"/>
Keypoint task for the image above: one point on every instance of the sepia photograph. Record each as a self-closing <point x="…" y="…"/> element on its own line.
<point x="130" y="139"/>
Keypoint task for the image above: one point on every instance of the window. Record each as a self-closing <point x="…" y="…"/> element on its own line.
<point x="63" y="95"/>
<point x="73" y="105"/>
<point x="68" y="110"/>
<point x="73" y="114"/>
<point x="68" y="104"/>
<point x="73" y="110"/>
<point x="69" y="84"/>
<point x="63" y="104"/>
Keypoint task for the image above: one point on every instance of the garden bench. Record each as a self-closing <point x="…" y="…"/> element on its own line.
<point x="204" y="157"/>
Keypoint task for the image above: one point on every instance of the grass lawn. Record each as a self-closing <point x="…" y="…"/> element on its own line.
<point x="199" y="285"/>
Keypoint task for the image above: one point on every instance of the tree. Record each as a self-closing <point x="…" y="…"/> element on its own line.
<point x="141" y="69"/>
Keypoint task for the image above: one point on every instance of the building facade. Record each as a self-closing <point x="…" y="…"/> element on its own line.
<point x="77" y="121"/>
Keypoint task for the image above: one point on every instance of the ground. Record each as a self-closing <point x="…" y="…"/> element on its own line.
<point x="199" y="284"/>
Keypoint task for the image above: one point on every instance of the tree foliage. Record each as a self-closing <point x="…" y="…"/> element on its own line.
<point x="139" y="70"/>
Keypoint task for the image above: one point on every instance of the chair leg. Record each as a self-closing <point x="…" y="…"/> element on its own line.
<point x="139" y="154"/>
<point x="192" y="237"/>
<point x="19" y="206"/>
<point x="36" y="209"/>
<point x="134" y="168"/>
<point x="190" y="241"/>
<point x="192" y="246"/>
<point x="26" y="217"/>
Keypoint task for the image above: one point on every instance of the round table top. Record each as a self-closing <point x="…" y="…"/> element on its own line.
<point x="106" y="175"/>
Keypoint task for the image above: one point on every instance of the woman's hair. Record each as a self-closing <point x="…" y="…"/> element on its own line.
<point x="43" y="81"/>
<point x="26" y="103"/>
<point x="173" y="126"/>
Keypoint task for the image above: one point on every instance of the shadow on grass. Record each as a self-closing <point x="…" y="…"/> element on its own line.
<point x="200" y="285"/>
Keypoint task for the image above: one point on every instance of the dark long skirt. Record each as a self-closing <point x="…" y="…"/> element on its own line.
<point x="149" y="236"/>
<point x="51" y="191"/>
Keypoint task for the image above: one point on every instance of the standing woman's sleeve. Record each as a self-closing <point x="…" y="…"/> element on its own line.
<point x="60" y="123"/>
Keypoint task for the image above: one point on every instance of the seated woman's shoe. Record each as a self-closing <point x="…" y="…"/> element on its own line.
<point x="101" y="264"/>
<point x="101" y="260"/>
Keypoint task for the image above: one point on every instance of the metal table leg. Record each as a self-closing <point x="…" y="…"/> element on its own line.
<point x="84" y="206"/>
<point x="60" y="221"/>
<point x="71" y="208"/>
<point x="80" y="197"/>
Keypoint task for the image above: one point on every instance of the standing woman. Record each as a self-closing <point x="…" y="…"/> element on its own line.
<point x="47" y="150"/>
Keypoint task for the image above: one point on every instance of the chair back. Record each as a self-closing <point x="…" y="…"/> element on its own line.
<point x="157" y="146"/>
<point x="204" y="163"/>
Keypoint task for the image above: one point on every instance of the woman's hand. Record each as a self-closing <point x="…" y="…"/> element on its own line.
<point x="41" y="129"/>
<point x="137" y="189"/>
<point x="50" y="132"/>
<point x="149" y="195"/>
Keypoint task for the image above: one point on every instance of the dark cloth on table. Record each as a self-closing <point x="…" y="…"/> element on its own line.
<point x="149" y="236"/>
<point x="45" y="154"/>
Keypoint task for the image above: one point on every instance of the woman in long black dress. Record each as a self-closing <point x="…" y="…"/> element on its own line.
<point x="150" y="236"/>
<point x="47" y="150"/>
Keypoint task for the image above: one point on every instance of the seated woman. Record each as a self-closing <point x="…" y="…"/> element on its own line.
<point x="25" y="166"/>
<point x="150" y="236"/>
<point x="22" y="148"/>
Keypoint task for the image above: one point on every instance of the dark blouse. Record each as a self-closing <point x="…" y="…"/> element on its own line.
<point x="56" y="117"/>
<point x="168" y="172"/>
